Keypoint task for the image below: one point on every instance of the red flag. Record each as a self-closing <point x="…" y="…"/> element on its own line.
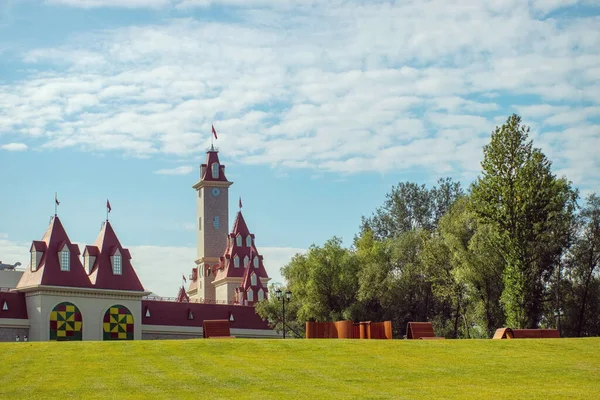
<point x="108" y="205"/>
<point x="56" y="199"/>
<point x="240" y="203"/>
<point x="183" y="276"/>
<point x="214" y="131"/>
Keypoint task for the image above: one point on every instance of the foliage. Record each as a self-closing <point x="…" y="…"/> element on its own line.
<point x="530" y="209"/>
<point x="235" y="368"/>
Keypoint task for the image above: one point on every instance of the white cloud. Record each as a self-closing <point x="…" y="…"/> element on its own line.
<point x="183" y="170"/>
<point x="336" y="86"/>
<point x="14" y="147"/>
<point x="112" y="3"/>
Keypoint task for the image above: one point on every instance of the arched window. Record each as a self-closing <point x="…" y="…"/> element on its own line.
<point x="215" y="170"/>
<point x="256" y="262"/>
<point x="253" y="279"/>
<point x="236" y="261"/>
<point x="238" y="241"/>
<point x="66" y="322"/>
<point x="65" y="259"/>
<point x="261" y="295"/>
<point x="250" y="295"/>
<point x="246" y="262"/>
<point x="248" y="241"/>
<point x="118" y="323"/>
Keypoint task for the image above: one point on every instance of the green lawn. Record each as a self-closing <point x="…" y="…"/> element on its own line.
<point x="245" y="368"/>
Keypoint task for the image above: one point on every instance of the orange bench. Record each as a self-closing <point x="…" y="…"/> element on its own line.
<point x="216" y="329"/>
<point x="508" y="333"/>
<point x="420" y="330"/>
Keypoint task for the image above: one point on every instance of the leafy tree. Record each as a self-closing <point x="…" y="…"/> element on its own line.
<point x="410" y="206"/>
<point x="530" y="210"/>
<point x="583" y="267"/>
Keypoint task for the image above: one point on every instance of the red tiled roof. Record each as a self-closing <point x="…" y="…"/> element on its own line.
<point x="48" y="271"/>
<point x="102" y="275"/>
<point x="227" y="268"/>
<point x="15" y="301"/>
<point x="212" y="156"/>
<point x="182" y="296"/>
<point x="91" y="251"/>
<point x="176" y="314"/>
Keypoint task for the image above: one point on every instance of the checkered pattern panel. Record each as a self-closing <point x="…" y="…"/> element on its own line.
<point x="118" y="324"/>
<point x="66" y="322"/>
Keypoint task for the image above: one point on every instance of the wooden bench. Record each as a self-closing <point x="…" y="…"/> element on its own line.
<point x="421" y="330"/>
<point x="508" y="333"/>
<point x="216" y="329"/>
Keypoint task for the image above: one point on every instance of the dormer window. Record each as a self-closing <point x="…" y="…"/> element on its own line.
<point x="256" y="262"/>
<point x="117" y="269"/>
<point x="261" y="295"/>
<point x="34" y="261"/>
<point x="253" y="279"/>
<point x="215" y="170"/>
<point x="65" y="259"/>
<point x="238" y="241"/>
<point x="250" y="295"/>
<point x="236" y="261"/>
<point x="246" y="262"/>
<point x="248" y="241"/>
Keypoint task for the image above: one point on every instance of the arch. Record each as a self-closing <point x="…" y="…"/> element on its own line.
<point x="118" y="323"/>
<point x="66" y="323"/>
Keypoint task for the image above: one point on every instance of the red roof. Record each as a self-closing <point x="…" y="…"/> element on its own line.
<point x="177" y="314"/>
<point x="212" y="156"/>
<point x="48" y="271"/>
<point x="102" y="275"/>
<point x="15" y="302"/>
<point x="227" y="267"/>
<point x="91" y="251"/>
<point x="182" y="296"/>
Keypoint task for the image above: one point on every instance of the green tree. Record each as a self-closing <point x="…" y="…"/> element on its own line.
<point x="530" y="211"/>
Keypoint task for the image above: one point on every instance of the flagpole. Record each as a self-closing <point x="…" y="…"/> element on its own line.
<point x="55" y="204"/>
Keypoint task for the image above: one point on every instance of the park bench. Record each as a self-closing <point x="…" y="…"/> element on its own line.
<point x="216" y="329"/>
<point x="421" y="330"/>
<point x="508" y="333"/>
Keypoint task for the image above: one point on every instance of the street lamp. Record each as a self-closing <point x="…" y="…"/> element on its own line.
<point x="283" y="298"/>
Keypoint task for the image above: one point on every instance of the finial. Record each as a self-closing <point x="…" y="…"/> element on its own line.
<point x="240" y="203"/>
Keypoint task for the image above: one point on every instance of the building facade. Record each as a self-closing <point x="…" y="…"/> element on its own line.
<point x="65" y="295"/>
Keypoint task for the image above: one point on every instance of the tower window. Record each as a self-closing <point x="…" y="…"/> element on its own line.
<point x="65" y="260"/>
<point x="33" y="261"/>
<point x="250" y="295"/>
<point x="216" y="222"/>
<point x="215" y="170"/>
<point x="117" y="270"/>
<point x="246" y="262"/>
<point x="248" y="241"/>
<point x="238" y="240"/>
<point x="256" y="262"/>
<point x="253" y="279"/>
<point x="236" y="261"/>
<point x="200" y="223"/>
<point x="261" y="295"/>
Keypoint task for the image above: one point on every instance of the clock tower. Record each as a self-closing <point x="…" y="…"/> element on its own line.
<point x="212" y="225"/>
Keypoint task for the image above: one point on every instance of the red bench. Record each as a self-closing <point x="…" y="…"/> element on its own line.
<point x="216" y="329"/>
<point x="508" y="333"/>
<point x="420" y="330"/>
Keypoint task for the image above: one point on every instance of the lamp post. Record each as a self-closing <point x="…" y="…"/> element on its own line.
<point x="283" y="297"/>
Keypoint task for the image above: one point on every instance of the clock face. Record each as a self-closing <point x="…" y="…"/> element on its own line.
<point x="216" y="192"/>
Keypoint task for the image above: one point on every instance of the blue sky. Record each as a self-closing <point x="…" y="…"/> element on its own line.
<point x="320" y="107"/>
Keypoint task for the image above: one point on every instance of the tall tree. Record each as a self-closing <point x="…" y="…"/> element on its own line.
<point x="529" y="208"/>
<point x="409" y="206"/>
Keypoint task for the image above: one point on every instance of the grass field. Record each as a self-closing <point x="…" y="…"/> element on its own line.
<point x="238" y="368"/>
